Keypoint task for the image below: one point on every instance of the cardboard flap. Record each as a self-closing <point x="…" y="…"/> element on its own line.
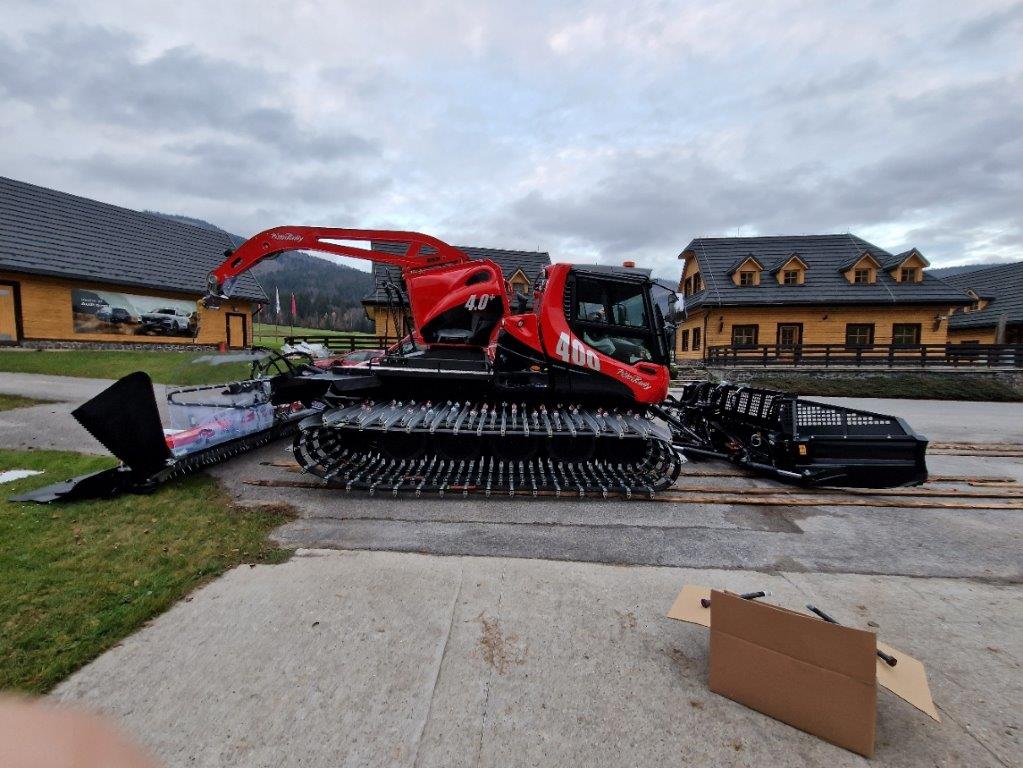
<point x="687" y="605"/>
<point x="907" y="680"/>
<point x="847" y="651"/>
<point x="803" y="671"/>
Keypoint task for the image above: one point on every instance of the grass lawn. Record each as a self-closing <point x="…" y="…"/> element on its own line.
<point x="269" y="335"/>
<point x="951" y="387"/>
<point x="10" y="402"/>
<point x="77" y="578"/>
<point x="163" y="367"/>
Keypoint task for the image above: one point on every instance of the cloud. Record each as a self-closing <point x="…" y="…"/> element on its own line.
<point x="98" y="75"/>
<point x="596" y="130"/>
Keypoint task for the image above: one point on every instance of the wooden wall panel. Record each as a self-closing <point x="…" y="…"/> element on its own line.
<point x="821" y="325"/>
<point x="980" y="335"/>
<point x="46" y="312"/>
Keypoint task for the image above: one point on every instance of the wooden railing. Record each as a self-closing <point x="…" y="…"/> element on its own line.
<point x="342" y="342"/>
<point x="870" y="356"/>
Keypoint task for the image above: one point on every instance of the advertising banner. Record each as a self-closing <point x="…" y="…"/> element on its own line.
<point x="129" y="314"/>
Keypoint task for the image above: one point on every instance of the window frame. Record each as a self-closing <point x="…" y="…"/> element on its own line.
<point x="697" y="339"/>
<point x="683" y="340"/>
<point x="799" y="336"/>
<point x="786" y="273"/>
<point x="866" y="271"/>
<point x="747" y="273"/>
<point x="912" y="271"/>
<point x="871" y="330"/>
<point x="917" y="329"/>
<point x="746" y="326"/>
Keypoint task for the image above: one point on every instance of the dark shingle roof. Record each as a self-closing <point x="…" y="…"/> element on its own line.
<point x="530" y="262"/>
<point x="780" y="262"/>
<point x="961" y="269"/>
<point x="45" y="232"/>
<point x="826" y="257"/>
<point x="893" y="261"/>
<point x="1002" y="284"/>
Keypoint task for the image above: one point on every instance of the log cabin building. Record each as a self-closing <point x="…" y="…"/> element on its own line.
<point x="995" y="312"/>
<point x="746" y="292"/>
<point x="520" y="268"/>
<point x="79" y="272"/>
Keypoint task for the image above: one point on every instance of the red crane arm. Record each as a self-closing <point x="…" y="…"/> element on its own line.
<point x="271" y="242"/>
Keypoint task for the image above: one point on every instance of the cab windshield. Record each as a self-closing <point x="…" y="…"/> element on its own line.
<point x="614" y="317"/>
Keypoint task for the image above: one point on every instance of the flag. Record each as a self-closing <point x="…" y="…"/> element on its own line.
<point x="277" y="301"/>
<point x="294" y="306"/>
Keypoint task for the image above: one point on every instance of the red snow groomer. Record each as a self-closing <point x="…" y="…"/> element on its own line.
<point x="568" y="397"/>
<point x="483" y="394"/>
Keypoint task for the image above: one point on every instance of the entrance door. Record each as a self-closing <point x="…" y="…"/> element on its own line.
<point x="8" y="314"/>
<point x="237" y="338"/>
<point x="790" y="339"/>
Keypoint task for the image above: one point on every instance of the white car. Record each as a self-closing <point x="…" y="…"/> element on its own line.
<point x="167" y="319"/>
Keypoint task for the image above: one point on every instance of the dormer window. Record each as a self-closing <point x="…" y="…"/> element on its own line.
<point x="907" y="267"/>
<point x="519" y="282"/>
<point x="862" y="271"/>
<point x="790" y="270"/>
<point x="746" y="271"/>
<point x="978" y="303"/>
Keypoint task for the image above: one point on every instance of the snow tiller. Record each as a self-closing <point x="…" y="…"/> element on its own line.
<point x="568" y="397"/>
<point x="800" y="441"/>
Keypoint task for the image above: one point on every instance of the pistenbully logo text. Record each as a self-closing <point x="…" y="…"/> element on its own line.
<point x="289" y="236"/>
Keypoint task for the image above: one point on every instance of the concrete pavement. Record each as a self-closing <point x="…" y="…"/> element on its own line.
<point x="370" y="658"/>
<point x="533" y="633"/>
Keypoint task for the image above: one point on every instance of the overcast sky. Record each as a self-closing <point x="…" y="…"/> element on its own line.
<point x="599" y="131"/>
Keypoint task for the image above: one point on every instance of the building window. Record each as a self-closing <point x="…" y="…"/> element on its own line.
<point x="790" y="277"/>
<point x="697" y="282"/>
<point x="744" y="335"/>
<point x="908" y="275"/>
<point x="859" y="334"/>
<point x="684" y="341"/>
<point x="906" y="334"/>
<point x="696" y="339"/>
<point x="747" y="278"/>
<point x="861" y="276"/>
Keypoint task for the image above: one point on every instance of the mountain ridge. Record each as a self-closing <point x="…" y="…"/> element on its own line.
<point x="328" y="295"/>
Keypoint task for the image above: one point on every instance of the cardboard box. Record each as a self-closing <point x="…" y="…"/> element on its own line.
<point x="819" y="677"/>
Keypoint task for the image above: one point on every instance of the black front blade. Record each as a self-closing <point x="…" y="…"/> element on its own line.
<point x="125" y="419"/>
